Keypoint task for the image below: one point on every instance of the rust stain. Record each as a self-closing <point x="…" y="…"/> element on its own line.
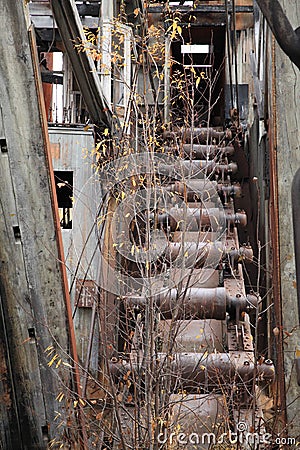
<point x="55" y="150"/>
<point x="244" y="3"/>
<point x="244" y="21"/>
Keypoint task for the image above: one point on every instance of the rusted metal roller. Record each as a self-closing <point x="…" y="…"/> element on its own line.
<point x="244" y="252"/>
<point x="197" y="253"/>
<point x="235" y="304"/>
<point x="189" y="370"/>
<point x="194" y="219"/>
<point x="204" y="190"/>
<point x="197" y="168"/>
<point x="198" y="151"/>
<point x="205" y="135"/>
<point x="193" y="371"/>
<point x="196" y="303"/>
<point x="239" y="218"/>
<point x="201" y="303"/>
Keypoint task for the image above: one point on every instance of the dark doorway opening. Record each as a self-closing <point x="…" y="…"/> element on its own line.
<point x="198" y="77"/>
<point x="64" y="192"/>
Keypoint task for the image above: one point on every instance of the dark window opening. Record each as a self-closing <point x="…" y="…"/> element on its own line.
<point x="45" y="433"/>
<point x="17" y="233"/>
<point x="64" y="192"/>
<point x="3" y="145"/>
<point x="31" y="334"/>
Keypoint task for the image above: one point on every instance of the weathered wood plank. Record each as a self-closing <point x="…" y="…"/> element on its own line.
<point x="32" y="293"/>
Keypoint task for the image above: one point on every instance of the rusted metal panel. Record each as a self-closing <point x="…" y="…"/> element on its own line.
<point x="71" y="152"/>
<point x="71" y="149"/>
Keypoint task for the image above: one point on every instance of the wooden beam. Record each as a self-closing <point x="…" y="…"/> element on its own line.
<point x="33" y="312"/>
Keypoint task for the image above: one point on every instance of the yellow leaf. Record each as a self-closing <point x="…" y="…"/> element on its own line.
<point x="60" y="396"/>
<point x="67" y="365"/>
<point x="106" y="131"/>
<point x="58" y="363"/>
<point x="49" y="348"/>
<point x="52" y="360"/>
<point x="136" y="12"/>
<point x="82" y="402"/>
